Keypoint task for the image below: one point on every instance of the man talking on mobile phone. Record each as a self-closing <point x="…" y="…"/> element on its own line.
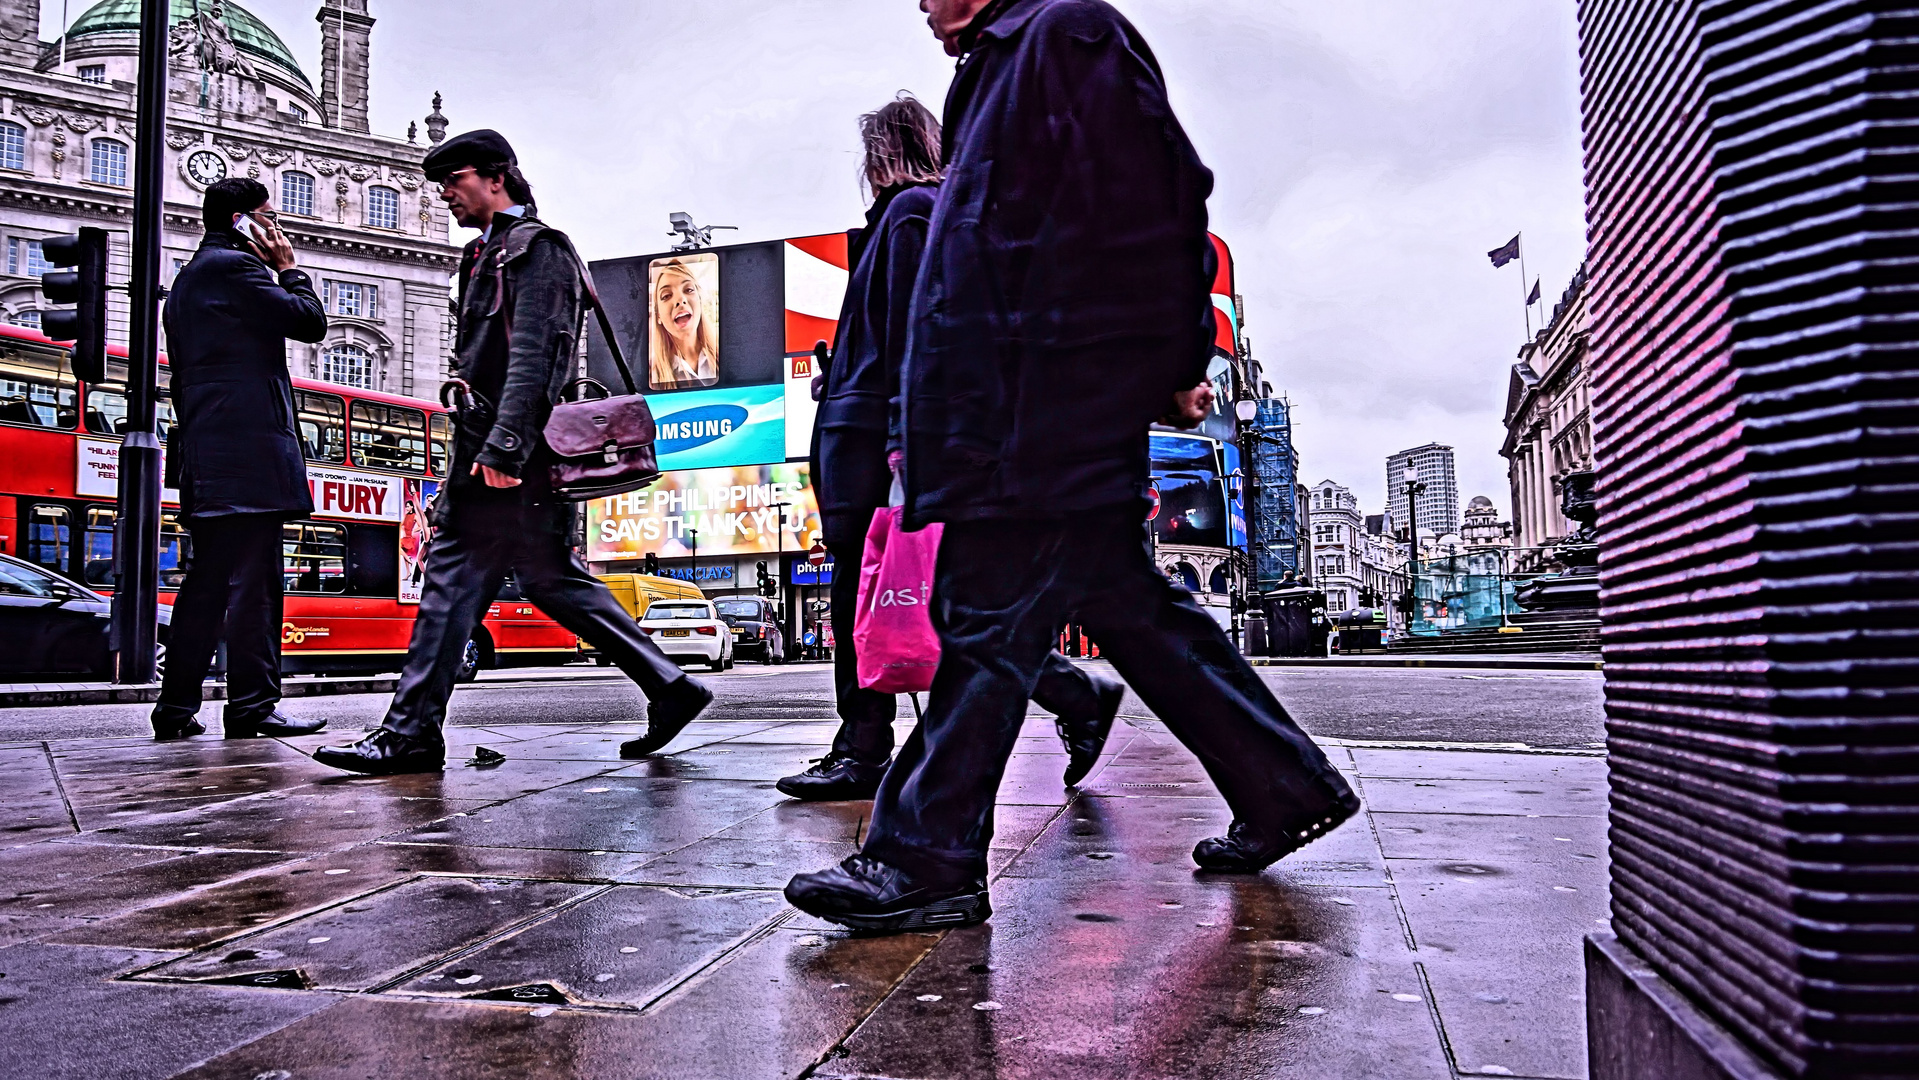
<point x="522" y="294"/>
<point x="236" y="458"/>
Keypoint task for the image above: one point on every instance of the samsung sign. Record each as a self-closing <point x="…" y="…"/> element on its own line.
<point x="699" y="429"/>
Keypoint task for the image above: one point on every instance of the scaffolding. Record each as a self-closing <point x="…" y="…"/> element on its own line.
<point x="1275" y="517"/>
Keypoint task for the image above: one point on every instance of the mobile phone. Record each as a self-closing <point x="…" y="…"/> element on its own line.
<point x="250" y="229"/>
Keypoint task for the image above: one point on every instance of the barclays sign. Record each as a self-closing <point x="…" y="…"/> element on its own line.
<point x="699" y="429"/>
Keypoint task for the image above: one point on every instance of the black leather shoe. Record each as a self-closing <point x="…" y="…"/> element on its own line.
<point x="274" y="725"/>
<point x="1085" y="736"/>
<point x="867" y="894"/>
<point x="836" y="778"/>
<point x="669" y="716"/>
<point x="382" y="753"/>
<point x="170" y="724"/>
<point x="1244" y="850"/>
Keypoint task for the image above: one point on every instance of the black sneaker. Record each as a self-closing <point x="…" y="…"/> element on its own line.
<point x="383" y="753"/>
<point x="834" y="778"/>
<point x="867" y="894"/>
<point x="667" y="717"/>
<point x="1245" y="850"/>
<point x="1085" y="736"/>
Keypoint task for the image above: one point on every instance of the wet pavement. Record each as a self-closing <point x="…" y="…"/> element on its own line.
<point x="231" y="910"/>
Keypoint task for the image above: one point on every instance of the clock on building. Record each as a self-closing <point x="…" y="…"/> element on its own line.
<point x="205" y="167"/>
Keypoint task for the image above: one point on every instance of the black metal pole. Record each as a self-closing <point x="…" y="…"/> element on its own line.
<point x="136" y="595"/>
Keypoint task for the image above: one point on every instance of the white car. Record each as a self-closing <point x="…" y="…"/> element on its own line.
<point x="689" y="630"/>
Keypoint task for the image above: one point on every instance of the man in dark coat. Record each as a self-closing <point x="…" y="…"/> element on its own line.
<point x="235" y="457"/>
<point x="850" y="472"/>
<point x="497" y="514"/>
<point x="1061" y="308"/>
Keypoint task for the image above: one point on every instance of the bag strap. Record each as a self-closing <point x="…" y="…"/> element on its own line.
<point x="592" y="296"/>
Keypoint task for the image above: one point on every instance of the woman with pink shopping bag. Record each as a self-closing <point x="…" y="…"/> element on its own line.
<point x="855" y="389"/>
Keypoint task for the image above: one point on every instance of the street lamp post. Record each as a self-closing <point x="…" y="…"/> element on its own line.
<point x="694" y="574"/>
<point x="1246" y="409"/>
<point x="779" y="571"/>
<point x="1413" y="489"/>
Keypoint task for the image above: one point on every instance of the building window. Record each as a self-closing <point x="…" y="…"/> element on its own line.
<point x="26" y="257"/>
<point x="353" y="299"/>
<point x="382" y="208"/>
<point x="296" y="194"/>
<point x="107" y="162"/>
<point x="13" y="146"/>
<point x="93" y="73"/>
<point x="25" y="318"/>
<point x="348" y="365"/>
<point x="299" y="115"/>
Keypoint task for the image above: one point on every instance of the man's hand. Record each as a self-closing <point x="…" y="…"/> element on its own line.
<point x="494" y="478"/>
<point x="1190" y="407"/>
<point x="277" y="251"/>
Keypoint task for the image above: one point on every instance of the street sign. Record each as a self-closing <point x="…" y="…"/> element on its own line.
<point x="1152" y="492"/>
<point x="816" y="556"/>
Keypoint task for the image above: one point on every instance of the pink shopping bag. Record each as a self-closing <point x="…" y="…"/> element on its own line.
<point x="893" y="627"/>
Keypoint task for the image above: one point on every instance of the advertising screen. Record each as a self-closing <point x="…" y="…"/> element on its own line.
<point x="1192" y="500"/>
<point x="733" y="511"/>
<point x="683" y="321"/>
<point x="744" y="425"/>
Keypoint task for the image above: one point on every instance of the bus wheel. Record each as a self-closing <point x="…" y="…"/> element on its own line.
<point x="469" y="663"/>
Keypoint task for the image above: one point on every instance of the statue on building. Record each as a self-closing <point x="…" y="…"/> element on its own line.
<point x="204" y="38"/>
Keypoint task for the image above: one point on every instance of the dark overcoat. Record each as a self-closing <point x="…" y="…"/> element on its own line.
<point x="235" y="448"/>
<point x="850" y="476"/>
<point x="1064" y="296"/>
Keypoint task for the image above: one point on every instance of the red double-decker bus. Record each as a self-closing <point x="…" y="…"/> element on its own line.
<point x="352" y="569"/>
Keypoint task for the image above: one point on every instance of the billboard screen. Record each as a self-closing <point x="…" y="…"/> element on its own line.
<point x="744" y="425"/>
<point x="733" y="511"/>
<point x="683" y="321"/>
<point x="1191" y="497"/>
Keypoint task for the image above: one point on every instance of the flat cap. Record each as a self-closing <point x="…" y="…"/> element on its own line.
<point x="482" y="147"/>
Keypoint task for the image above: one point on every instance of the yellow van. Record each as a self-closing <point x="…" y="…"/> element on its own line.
<point x="637" y="592"/>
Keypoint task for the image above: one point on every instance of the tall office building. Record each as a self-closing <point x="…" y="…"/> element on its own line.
<point x="1438" y="503"/>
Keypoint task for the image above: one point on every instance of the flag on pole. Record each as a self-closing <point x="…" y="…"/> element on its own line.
<point x="1533" y="297"/>
<point x="1503" y="255"/>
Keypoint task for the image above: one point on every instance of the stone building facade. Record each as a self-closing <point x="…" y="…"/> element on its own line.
<point x="1548" y="425"/>
<point x="1338" y="534"/>
<point x="363" y="220"/>
<point x="1481" y="528"/>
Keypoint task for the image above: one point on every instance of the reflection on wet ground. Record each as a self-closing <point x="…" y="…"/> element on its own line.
<point x="215" y="909"/>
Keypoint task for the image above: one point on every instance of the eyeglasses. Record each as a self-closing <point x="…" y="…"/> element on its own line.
<point x="455" y="175"/>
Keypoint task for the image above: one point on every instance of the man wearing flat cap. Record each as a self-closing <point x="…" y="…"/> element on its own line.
<point x="497" y="514"/>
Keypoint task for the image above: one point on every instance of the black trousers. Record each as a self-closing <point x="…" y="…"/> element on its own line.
<point x="482" y="540"/>
<point x="866" y="716"/>
<point x="233" y="589"/>
<point x="1000" y="592"/>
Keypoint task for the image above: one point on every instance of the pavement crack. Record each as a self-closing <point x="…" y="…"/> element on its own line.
<point x="61" y="786"/>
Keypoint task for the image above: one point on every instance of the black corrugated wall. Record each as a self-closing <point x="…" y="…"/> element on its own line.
<point x="1752" y="174"/>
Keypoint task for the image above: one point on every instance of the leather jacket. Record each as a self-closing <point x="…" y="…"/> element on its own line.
<point x="520" y="306"/>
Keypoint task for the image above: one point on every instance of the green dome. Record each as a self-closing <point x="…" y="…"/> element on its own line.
<point x="249" y="34"/>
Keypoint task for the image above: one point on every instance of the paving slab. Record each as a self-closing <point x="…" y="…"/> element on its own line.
<point x="1501" y="837"/>
<point x="303" y="820"/>
<point x="66" y="1018"/>
<point x="1474" y="765"/>
<point x="29" y="821"/>
<point x="1538" y="798"/>
<point x="763" y="864"/>
<point x="621" y="811"/>
<point x="373" y="940"/>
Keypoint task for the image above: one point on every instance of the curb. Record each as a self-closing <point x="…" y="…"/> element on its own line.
<point x="1567" y="663"/>
<point x="148" y="693"/>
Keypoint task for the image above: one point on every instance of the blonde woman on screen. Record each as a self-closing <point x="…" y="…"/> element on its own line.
<point x="685" y="334"/>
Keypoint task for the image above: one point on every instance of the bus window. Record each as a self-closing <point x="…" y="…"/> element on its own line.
<point x="322" y="426"/>
<point x="439" y="441"/>
<point x="37" y="388"/>
<point x="98" y="566"/>
<point x="106" y="412"/>
<point x="389" y="437"/>
<point x="50" y="537"/>
<point x="314" y="557"/>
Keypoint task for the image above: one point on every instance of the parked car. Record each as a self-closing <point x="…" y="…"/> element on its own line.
<point x="689" y="630"/>
<point x="756" y="626"/>
<point x="635" y="592"/>
<point x="52" y="625"/>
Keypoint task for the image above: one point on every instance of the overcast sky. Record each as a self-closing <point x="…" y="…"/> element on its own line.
<point x="1367" y="152"/>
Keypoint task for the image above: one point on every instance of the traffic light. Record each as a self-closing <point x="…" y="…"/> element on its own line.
<point x="652" y="564"/>
<point x="84" y="286"/>
<point x="767" y="587"/>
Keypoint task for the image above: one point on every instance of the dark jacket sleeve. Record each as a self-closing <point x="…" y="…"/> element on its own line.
<point x="286" y="305"/>
<point x="906" y="243"/>
<point x="544" y="319"/>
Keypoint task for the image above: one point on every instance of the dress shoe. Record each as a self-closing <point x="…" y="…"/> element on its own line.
<point x="834" y="778"/>
<point x="170" y="724"/>
<point x="382" y="753"/>
<point x="274" y="725"/>
<point x="668" y="716"/>
<point x="1245" y="850"/>
<point x="1085" y="736"/>
<point x="867" y="894"/>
